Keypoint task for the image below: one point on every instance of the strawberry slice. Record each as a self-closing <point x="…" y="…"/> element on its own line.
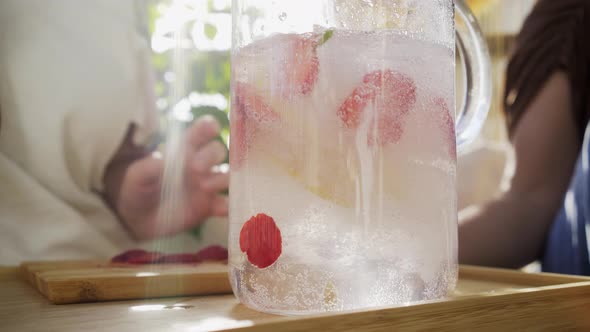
<point x="248" y="113"/>
<point x="447" y="124"/>
<point x="260" y="240"/>
<point x="128" y="255"/>
<point x="140" y="256"/>
<point x="212" y="253"/>
<point x="149" y="257"/>
<point x="299" y="66"/>
<point x="391" y="93"/>
<point x="185" y="258"/>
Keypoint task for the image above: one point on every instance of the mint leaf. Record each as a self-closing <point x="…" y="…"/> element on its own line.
<point x="327" y="35"/>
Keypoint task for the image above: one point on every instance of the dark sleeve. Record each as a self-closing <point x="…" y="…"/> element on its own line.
<point x="555" y="37"/>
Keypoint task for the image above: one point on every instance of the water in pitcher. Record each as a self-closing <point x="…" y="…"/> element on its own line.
<point x="343" y="157"/>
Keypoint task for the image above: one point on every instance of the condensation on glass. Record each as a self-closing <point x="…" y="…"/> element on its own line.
<point x="343" y="150"/>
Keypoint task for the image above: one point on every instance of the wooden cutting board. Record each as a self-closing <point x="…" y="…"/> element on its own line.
<point x="64" y="282"/>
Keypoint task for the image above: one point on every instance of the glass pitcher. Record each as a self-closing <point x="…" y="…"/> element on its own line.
<point x="343" y="150"/>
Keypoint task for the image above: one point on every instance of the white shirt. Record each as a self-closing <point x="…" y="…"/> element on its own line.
<point x="73" y="76"/>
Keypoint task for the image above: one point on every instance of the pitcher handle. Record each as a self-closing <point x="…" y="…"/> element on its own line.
<point x="476" y="59"/>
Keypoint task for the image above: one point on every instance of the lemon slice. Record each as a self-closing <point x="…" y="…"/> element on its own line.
<point x="321" y="190"/>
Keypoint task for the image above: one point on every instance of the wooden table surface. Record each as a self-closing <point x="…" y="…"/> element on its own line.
<point x="511" y="300"/>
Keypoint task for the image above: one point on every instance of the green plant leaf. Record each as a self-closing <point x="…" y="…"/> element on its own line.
<point x="225" y="135"/>
<point x="210" y="31"/>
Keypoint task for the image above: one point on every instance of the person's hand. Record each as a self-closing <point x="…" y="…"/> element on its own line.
<point x="148" y="211"/>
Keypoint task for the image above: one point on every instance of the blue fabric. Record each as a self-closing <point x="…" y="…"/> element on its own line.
<point x="566" y="250"/>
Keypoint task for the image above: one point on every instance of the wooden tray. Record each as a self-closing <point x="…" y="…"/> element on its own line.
<point x="93" y="281"/>
<point x="486" y="300"/>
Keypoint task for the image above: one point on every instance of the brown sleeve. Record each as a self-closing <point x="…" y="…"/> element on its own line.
<point x="555" y="36"/>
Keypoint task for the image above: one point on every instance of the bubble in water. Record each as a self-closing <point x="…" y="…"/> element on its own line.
<point x="283" y="16"/>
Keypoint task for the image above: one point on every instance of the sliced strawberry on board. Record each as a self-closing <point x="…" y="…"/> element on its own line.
<point x="139" y="256"/>
<point x="391" y="93"/>
<point x="298" y="64"/>
<point x="261" y="241"/>
<point x="148" y="257"/>
<point x="447" y="124"/>
<point x="248" y="112"/>
<point x="186" y="258"/>
<point x="212" y="253"/>
<point x="127" y="255"/>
